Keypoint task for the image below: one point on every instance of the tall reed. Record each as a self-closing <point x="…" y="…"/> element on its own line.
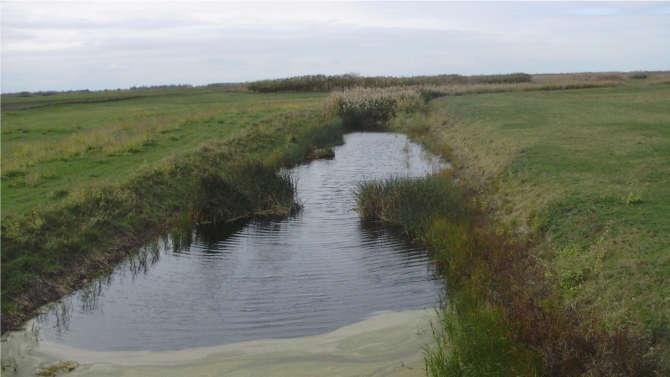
<point x="349" y="81"/>
<point x="371" y="109"/>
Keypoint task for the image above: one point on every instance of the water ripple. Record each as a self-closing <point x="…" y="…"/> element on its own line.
<point x="304" y="275"/>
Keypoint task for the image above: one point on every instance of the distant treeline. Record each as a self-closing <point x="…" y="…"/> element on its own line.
<point x="313" y="83"/>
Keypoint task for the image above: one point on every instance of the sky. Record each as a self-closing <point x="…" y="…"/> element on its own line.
<point x="96" y="45"/>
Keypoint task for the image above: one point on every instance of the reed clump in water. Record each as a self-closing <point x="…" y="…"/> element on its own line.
<point x="244" y="187"/>
<point x="408" y="203"/>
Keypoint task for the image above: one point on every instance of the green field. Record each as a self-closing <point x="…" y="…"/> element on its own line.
<point x="588" y="169"/>
<point x="83" y="184"/>
<point x="52" y="152"/>
<point x="566" y="200"/>
<point x="585" y="176"/>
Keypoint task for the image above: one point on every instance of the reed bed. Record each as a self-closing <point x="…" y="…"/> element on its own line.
<point x="391" y="201"/>
<point x="372" y="109"/>
<point x="348" y="81"/>
<point x="564" y="83"/>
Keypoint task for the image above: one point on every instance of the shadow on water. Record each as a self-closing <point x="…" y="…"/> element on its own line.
<point x="307" y="274"/>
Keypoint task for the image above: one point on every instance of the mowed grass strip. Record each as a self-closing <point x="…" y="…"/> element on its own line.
<point x="50" y="153"/>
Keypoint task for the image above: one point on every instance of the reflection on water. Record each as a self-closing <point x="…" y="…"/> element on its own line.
<point x="307" y="274"/>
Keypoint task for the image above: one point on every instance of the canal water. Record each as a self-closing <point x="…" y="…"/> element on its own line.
<point x="312" y="273"/>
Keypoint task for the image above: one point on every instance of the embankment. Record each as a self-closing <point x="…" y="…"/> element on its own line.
<point x="502" y="316"/>
<point x="53" y="251"/>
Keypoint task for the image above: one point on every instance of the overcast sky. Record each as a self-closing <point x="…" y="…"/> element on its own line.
<point x="58" y="46"/>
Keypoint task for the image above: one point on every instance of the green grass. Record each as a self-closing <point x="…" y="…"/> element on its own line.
<point x="585" y="175"/>
<point x="50" y="153"/>
<point x="26" y="100"/>
<point x="472" y="339"/>
<point x="592" y="169"/>
<point x="118" y="173"/>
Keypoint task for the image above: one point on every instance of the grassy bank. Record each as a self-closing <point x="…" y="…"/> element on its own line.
<point x="502" y="316"/>
<point x="561" y="266"/>
<point x="209" y="158"/>
<point x="587" y="172"/>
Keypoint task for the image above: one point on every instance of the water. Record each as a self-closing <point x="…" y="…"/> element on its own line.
<point x="311" y="273"/>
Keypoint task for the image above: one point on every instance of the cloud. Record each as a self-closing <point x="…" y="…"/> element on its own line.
<point x="103" y="45"/>
<point x="589" y="10"/>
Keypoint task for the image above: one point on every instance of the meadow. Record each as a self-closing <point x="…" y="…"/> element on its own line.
<point x="552" y="228"/>
<point x="52" y="152"/>
<point x="588" y="172"/>
<point x="83" y="184"/>
<point x="562" y="260"/>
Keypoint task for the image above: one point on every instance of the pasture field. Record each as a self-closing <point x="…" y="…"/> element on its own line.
<point x="552" y="228"/>
<point x="590" y="171"/>
<point x="52" y="152"/>
<point x="83" y="184"/>
<point x="584" y="177"/>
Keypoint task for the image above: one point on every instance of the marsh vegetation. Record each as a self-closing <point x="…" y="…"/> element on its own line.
<point x="320" y="83"/>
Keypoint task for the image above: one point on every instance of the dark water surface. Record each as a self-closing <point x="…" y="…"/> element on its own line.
<point x="308" y="274"/>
